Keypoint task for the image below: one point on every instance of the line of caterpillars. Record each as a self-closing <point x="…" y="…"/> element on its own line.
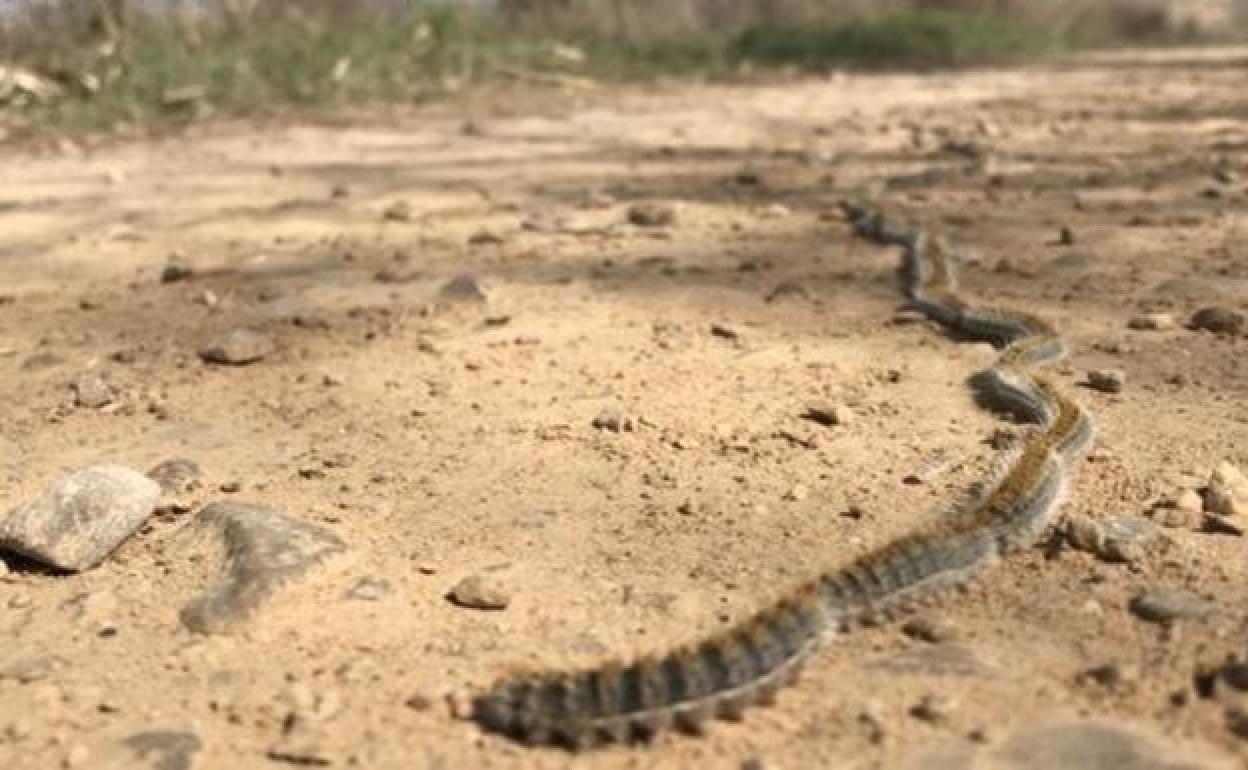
<point x="722" y="675"/>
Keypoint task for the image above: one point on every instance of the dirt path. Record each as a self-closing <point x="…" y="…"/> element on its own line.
<point x="442" y="439"/>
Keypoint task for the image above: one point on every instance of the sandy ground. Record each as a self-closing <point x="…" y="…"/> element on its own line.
<point x="446" y="440"/>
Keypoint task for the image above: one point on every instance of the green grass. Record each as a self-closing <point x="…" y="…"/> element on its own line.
<point x="905" y="39"/>
<point x="279" y="60"/>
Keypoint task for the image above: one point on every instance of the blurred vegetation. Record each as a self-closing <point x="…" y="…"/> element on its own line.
<point x="100" y="64"/>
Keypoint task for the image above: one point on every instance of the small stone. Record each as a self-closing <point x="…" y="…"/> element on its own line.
<point x="723" y="331"/>
<point x="1168" y="605"/>
<point x="266" y="550"/>
<point x="1114" y="539"/>
<point x="1215" y="319"/>
<point x="369" y="589"/>
<point x="933" y="709"/>
<point x="91" y="391"/>
<point x="176" y="269"/>
<point x="1107" y="380"/>
<point x="480" y="592"/>
<point x="402" y="271"/>
<point x="787" y="290"/>
<point x="1152" y="322"/>
<point x="828" y="414"/>
<point x="399" y="211"/>
<point x="177" y="476"/>
<point x="1066" y="236"/>
<point x="165" y="749"/>
<point x="462" y="288"/>
<point x="237" y="347"/>
<point x="80" y="518"/>
<point x="1227" y="493"/>
<point x="651" y="214"/>
<point x="1110" y="675"/>
<point x="797" y="493"/>
<point x="930" y="630"/>
<point x="34" y="669"/>
<point x="339" y="191"/>
<point x="1189" y="501"/>
<point x="613" y="420"/>
<point x="418" y="701"/>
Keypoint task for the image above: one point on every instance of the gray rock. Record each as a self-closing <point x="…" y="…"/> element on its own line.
<point x="165" y="749"/>
<point x="1216" y="319"/>
<point x="480" y="592"/>
<point x="176" y="476"/>
<point x="947" y="659"/>
<point x="1096" y="744"/>
<point x="265" y="550"/>
<point x="80" y="518"/>
<point x="462" y="288"/>
<point x="1168" y="605"/>
<point x="1115" y="539"/>
<point x="368" y="589"/>
<point x="238" y="346"/>
<point x="91" y="391"/>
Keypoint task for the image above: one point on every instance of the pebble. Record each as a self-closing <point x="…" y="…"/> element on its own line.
<point x="1153" y="322"/>
<point x="1112" y="675"/>
<point x="237" y="347"/>
<point x="1219" y="320"/>
<point x="399" y="211"/>
<point x="480" y="592"/>
<point x="933" y="709"/>
<point x="34" y="669"/>
<point x="91" y="391"/>
<point x="1226" y="497"/>
<point x="1168" y="605"/>
<point x="1115" y="539"/>
<point x="1107" y="380"/>
<point x="612" y="419"/>
<point x="165" y="749"/>
<point x="930" y="630"/>
<point x="79" y="519"/>
<point x="462" y="288"/>
<point x="1094" y="743"/>
<point x="369" y="589"/>
<point x="267" y="549"/>
<point x="176" y="269"/>
<point x="828" y="414"/>
<point x="726" y="332"/>
<point x="400" y="272"/>
<point x="1066" y="236"/>
<point x="651" y="214"/>
<point x="176" y="476"/>
<point x="787" y="290"/>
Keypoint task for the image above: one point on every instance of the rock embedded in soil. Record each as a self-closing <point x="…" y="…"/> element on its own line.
<point x="612" y="419"/>
<point x="164" y="749"/>
<point x="176" y="269"/>
<point x="480" y="592"/>
<point x="265" y="550"/>
<point x="1115" y="539"/>
<point x="80" y="518"/>
<point x="176" y="476"/>
<point x="1152" y="322"/>
<point x="1107" y="380"/>
<point x="91" y="391"/>
<point x="651" y="214"/>
<point x="464" y="287"/>
<point x="237" y="347"/>
<point x="829" y="414"/>
<point x="1219" y="320"/>
<point x="1169" y="605"/>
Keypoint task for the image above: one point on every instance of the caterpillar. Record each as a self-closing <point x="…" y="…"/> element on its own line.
<point x="722" y="675"/>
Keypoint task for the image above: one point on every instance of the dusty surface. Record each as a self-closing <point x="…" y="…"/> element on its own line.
<point x="444" y="440"/>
